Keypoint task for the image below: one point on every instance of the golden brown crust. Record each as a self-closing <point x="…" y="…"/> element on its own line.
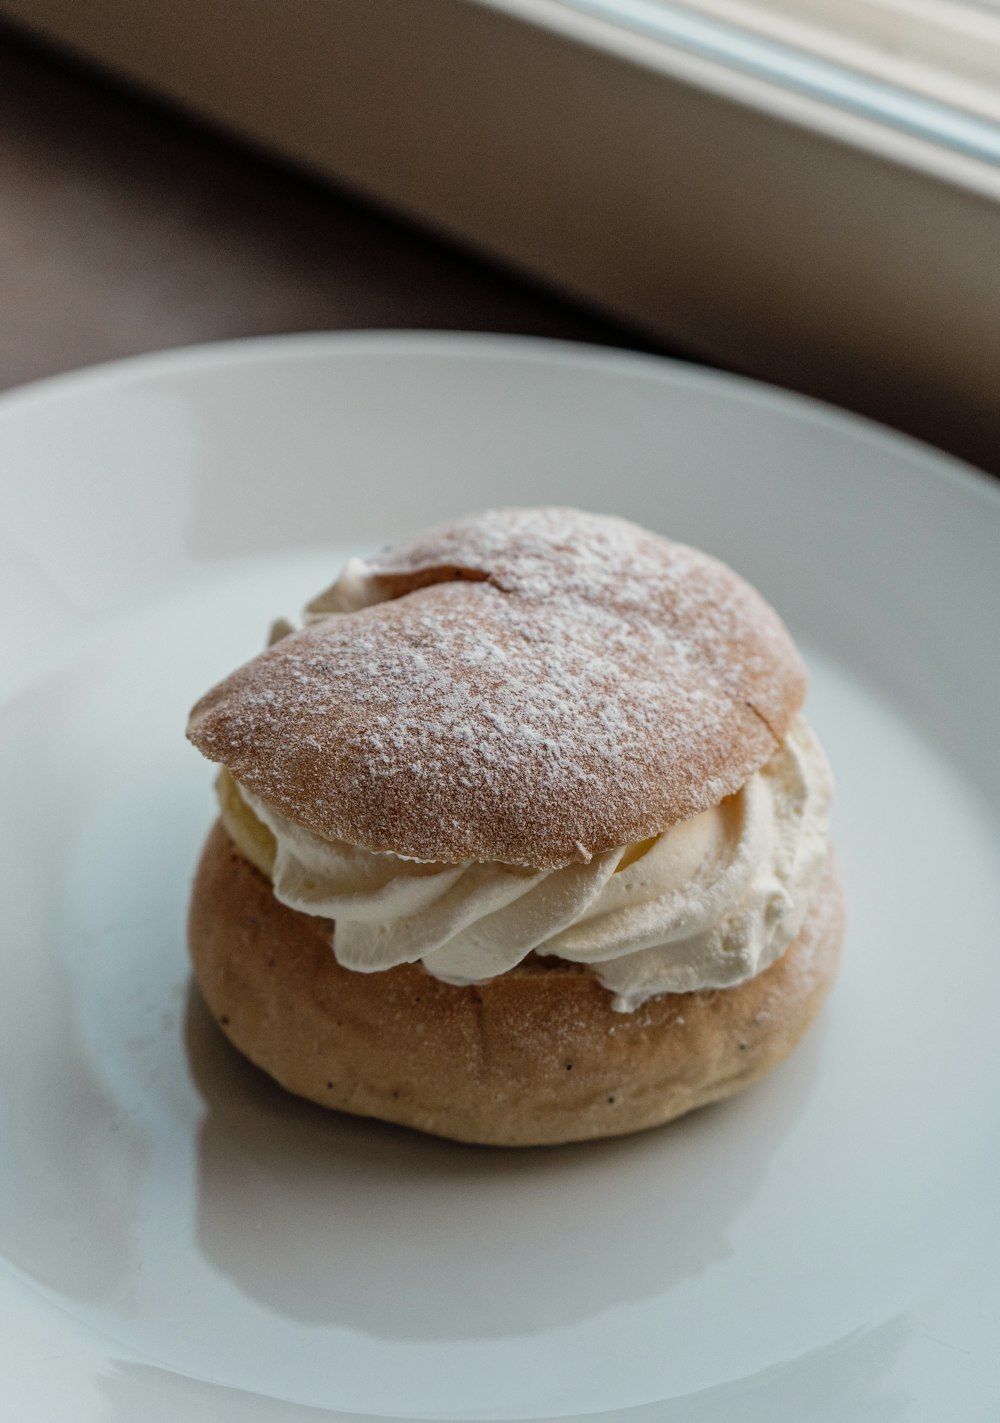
<point x="535" y="1056"/>
<point x="541" y="686"/>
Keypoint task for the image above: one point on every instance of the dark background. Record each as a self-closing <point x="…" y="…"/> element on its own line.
<point x="126" y="228"/>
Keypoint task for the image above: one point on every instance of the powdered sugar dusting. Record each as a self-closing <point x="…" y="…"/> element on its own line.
<point x="541" y="685"/>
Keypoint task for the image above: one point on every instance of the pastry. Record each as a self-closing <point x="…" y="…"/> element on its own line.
<point x="523" y="837"/>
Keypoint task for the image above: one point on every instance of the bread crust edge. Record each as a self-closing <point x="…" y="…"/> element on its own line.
<point x="536" y="1056"/>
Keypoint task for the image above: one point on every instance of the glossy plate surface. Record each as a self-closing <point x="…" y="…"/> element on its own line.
<point x="178" y="1238"/>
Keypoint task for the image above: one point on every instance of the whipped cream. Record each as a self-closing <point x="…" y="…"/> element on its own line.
<point x="710" y="903"/>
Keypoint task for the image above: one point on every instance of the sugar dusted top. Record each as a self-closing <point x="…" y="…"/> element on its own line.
<point x="534" y="686"/>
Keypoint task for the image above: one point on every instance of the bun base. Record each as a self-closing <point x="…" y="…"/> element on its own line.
<point x="536" y="1056"/>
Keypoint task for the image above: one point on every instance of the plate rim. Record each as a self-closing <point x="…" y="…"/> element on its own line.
<point x="478" y="345"/>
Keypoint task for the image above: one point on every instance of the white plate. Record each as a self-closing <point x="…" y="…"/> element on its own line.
<point x="178" y="1239"/>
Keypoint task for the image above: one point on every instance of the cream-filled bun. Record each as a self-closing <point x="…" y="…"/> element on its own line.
<point x="523" y="836"/>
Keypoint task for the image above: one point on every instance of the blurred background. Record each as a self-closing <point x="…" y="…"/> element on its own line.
<point x="805" y="191"/>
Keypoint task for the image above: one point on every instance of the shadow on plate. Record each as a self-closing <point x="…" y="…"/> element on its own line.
<point x="331" y="1219"/>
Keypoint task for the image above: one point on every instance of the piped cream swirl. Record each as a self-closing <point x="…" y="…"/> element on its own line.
<point x="710" y="903"/>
